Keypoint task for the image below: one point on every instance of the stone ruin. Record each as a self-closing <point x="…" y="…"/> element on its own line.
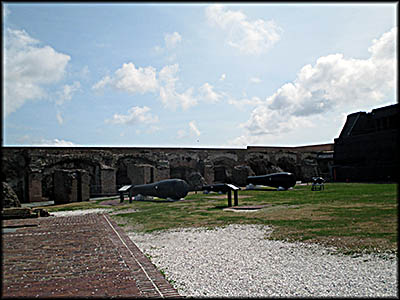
<point x="66" y="174"/>
<point x="9" y="197"/>
<point x="11" y="206"/>
<point x="71" y="186"/>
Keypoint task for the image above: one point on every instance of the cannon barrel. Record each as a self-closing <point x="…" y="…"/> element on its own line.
<point x="282" y="179"/>
<point x="169" y="188"/>
<point x="217" y="187"/>
<point x="318" y="180"/>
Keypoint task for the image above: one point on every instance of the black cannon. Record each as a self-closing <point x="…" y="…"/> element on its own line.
<point x="317" y="184"/>
<point x="169" y="188"/>
<point x="282" y="180"/>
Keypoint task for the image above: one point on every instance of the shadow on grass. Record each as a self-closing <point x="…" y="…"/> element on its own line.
<point x="219" y="207"/>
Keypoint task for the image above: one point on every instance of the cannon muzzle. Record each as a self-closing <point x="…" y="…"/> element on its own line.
<point x="283" y="179"/>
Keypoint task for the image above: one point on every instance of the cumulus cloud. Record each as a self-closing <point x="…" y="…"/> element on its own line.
<point x="333" y="83"/>
<point x="144" y="80"/>
<point x="337" y="81"/>
<point x="67" y="92"/>
<point x="249" y="36"/>
<point x="245" y="102"/>
<point x="29" y="67"/>
<point x="168" y="94"/>
<point x="135" y="115"/>
<point x="207" y="93"/>
<point x="172" y="39"/>
<point x="266" y="121"/>
<point x="102" y="83"/>
<point x="131" y="79"/>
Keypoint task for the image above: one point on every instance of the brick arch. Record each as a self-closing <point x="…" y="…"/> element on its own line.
<point x="126" y="162"/>
<point x="92" y="167"/>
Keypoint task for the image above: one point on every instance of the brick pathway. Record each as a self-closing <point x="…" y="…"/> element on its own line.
<point x="79" y="256"/>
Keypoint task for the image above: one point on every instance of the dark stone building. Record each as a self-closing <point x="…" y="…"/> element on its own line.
<point x="367" y="147"/>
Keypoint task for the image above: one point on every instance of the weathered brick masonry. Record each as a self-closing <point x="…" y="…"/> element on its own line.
<point x="76" y="256"/>
<point x="30" y="171"/>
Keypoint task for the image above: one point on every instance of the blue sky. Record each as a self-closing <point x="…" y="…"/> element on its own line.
<point x="193" y="74"/>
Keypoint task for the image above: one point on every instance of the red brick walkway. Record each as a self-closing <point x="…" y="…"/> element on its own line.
<point x="76" y="256"/>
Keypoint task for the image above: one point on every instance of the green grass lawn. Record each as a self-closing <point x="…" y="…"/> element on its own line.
<point x="350" y="216"/>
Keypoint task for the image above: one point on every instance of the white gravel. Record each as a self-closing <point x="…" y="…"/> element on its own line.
<point x="79" y="212"/>
<point x="238" y="261"/>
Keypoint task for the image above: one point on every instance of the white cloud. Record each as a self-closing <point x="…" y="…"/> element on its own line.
<point x="333" y="83"/>
<point x="193" y="128"/>
<point x="266" y="121"/>
<point x="135" y="115"/>
<point x="206" y="91"/>
<point x="384" y="47"/>
<point x="172" y="39"/>
<point x="186" y="99"/>
<point x="131" y="79"/>
<point x="57" y="143"/>
<point x="60" y="119"/>
<point x="67" y="92"/>
<point x="167" y="74"/>
<point x="250" y="37"/>
<point x="168" y="94"/>
<point x="18" y="40"/>
<point x="243" y="103"/>
<point x="28" y="69"/>
<point x="223" y="76"/>
<point x="144" y="80"/>
<point x="28" y="140"/>
<point x="192" y="131"/>
<point x="255" y="80"/>
<point x="244" y="141"/>
<point x="337" y="82"/>
<point x="106" y="80"/>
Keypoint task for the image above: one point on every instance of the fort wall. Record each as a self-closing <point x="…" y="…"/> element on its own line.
<point x="30" y="170"/>
<point x="367" y="148"/>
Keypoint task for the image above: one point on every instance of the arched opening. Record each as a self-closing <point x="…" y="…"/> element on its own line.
<point x="92" y="168"/>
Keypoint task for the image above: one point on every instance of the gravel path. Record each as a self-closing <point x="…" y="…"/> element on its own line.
<point x="237" y="261"/>
<point x="79" y="212"/>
